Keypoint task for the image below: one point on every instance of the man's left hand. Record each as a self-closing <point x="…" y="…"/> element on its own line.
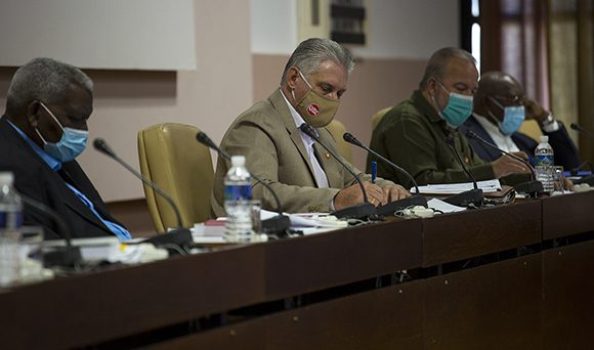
<point x="535" y="111"/>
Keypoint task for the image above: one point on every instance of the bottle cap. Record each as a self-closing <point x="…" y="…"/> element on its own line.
<point x="544" y="139"/>
<point x="6" y="178"/>
<point x="238" y="161"/>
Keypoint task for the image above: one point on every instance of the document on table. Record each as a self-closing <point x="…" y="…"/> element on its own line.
<point x="213" y="231"/>
<point x="444" y="207"/>
<point x="308" y="219"/>
<point x="487" y="186"/>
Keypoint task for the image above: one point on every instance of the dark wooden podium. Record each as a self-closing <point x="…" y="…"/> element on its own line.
<point x="511" y="277"/>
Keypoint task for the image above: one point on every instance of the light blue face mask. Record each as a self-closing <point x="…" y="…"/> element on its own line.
<point x="458" y="109"/>
<point x="513" y="117"/>
<point x="72" y="143"/>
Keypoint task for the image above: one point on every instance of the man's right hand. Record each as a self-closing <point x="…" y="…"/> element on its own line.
<point x="506" y="165"/>
<point x="352" y="195"/>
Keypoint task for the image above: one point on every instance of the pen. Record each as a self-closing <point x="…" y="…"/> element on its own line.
<point x="373" y="171"/>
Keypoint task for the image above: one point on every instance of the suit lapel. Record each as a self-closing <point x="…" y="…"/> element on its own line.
<point x="76" y="204"/>
<point x="493" y="153"/>
<point x="279" y="103"/>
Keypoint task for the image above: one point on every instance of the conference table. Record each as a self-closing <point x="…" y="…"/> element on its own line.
<point x="517" y="276"/>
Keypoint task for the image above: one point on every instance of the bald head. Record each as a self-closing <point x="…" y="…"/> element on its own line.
<point x="498" y="86"/>
<point x="437" y="67"/>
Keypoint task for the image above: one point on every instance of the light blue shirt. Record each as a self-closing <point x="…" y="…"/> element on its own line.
<point x="56" y="165"/>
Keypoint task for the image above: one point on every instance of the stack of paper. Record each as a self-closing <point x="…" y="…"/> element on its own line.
<point x="487" y="186"/>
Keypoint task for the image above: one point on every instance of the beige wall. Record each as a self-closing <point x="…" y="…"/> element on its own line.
<point x="228" y="80"/>
<point x="373" y="85"/>
<point x="126" y="101"/>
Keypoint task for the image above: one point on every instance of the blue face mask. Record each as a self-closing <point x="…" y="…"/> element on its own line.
<point x="72" y="143"/>
<point x="513" y="117"/>
<point x="458" y="109"/>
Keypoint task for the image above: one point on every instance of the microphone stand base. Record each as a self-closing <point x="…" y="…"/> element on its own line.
<point x="181" y="237"/>
<point x="276" y="225"/>
<point x="360" y="211"/>
<point x="392" y="207"/>
<point x="472" y="197"/>
<point x="532" y="188"/>
<point x="62" y="256"/>
<point x="585" y="180"/>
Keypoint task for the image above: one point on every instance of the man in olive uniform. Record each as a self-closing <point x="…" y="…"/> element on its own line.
<point x="419" y="134"/>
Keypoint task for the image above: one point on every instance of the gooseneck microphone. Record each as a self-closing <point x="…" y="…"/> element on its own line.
<point x="61" y="256"/>
<point x="350" y="138"/>
<point x="392" y="207"/>
<point x="472" y="197"/>
<point x="359" y="211"/>
<point x="589" y="179"/>
<point x="180" y="236"/>
<point x="275" y="225"/>
<point x="532" y="187"/>
<point x="581" y="129"/>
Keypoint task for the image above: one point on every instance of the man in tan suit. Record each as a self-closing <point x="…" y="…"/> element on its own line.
<point x="304" y="176"/>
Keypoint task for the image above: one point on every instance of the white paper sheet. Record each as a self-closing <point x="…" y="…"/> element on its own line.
<point x="487" y="186"/>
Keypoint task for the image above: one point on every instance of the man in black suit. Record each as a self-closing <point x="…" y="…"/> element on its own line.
<point x="42" y="131"/>
<point x="500" y="107"/>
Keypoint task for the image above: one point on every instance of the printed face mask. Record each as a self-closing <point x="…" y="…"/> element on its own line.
<point x="317" y="111"/>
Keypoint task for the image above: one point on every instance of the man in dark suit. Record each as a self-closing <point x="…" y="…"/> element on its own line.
<point x="42" y="131"/>
<point x="500" y="107"/>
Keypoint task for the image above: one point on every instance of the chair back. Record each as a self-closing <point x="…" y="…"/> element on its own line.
<point x="377" y="117"/>
<point x="171" y="157"/>
<point x="337" y="129"/>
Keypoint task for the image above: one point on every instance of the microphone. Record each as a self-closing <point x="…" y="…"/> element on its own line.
<point x="590" y="178"/>
<point x="533" y="186"/>
<point x="61" y="256"/>
<point x="581" y="129"/>
<point x="275" y="225"/>
<point x="472" y="197"/>
<point x="359" y="211"/>
<point x="180" y="236"/>
<point x="392" y="207"/>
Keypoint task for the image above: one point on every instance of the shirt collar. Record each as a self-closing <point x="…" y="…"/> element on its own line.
<point x="52" y="162"/>
<point x="298" y="119"/>
<point x="426" y="107"/>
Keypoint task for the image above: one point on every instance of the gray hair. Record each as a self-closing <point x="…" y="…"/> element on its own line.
<point x="46" y="80"/>
<point x="312" y="52"/>
<point x="439" y="60"/>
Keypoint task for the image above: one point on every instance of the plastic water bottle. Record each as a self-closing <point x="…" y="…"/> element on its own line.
<point x="544" y="161"/>
<point x="238" y="202"/>
<point x="11" y="219"/>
